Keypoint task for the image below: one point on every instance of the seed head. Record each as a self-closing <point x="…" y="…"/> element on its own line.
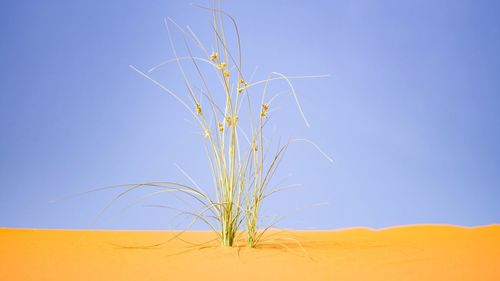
<point x="221" y="127"/>
<point x="254" y="146"/>
<point x="225" y="73"/>
<point x="263" y="112"/>
<point x="244" y="85"/>
<point x="213" y="56"/>
<point x="198" y="108"/>
<point x="231" y="120"/>
<point x="221" y="65"/>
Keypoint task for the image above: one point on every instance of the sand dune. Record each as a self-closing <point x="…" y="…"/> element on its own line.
<point x="424" y="252"/>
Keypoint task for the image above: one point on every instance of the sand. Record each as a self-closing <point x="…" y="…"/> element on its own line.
<point x="423" y="252"/>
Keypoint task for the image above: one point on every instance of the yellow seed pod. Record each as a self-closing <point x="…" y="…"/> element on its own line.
<point x="254" y="146"/>
<point x="239" y="90"/>
<point x="235" y="120"/>
<point x="225" y="73"/>
<point x="221" y="65"/>
<point x="213" y="56"/>
<point x="198" y="108"/>
<point x="228" y="120"/>
<point x="221" y="127"/>
<point x="263" y="112"/>
<point x="241" y="81"/>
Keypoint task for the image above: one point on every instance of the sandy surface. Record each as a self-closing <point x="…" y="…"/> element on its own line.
<point x="425" y="252"/>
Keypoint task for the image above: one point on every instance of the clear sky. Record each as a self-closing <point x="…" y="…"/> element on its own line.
<point x="410" y="112"/>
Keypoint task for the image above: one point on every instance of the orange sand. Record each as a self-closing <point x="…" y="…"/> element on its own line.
<point x="426" y="252"/>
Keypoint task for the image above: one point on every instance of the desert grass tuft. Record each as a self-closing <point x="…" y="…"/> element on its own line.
<point x="241" y="161"/>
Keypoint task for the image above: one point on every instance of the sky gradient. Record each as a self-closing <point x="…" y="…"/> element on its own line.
<point x="410" y="112"/>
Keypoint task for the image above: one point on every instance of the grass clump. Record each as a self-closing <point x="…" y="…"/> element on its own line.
<point x="236" y="147"/>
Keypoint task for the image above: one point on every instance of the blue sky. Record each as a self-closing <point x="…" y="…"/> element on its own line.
<point x="410" y="111"/>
